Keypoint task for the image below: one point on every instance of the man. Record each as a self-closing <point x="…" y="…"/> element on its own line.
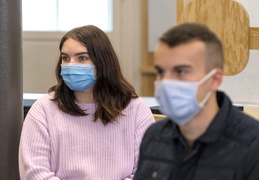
<point x="204" y="137"/>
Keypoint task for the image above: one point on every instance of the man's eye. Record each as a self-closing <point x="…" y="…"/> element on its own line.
<point x="181" y="72"/>
<point x="160" y="72"/>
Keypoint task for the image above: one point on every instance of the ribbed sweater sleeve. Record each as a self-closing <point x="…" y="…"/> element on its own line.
<point x="55" y="145"/>
<point x="35" y="147"/>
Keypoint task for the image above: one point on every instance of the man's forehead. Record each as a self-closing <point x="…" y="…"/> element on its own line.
<point x="193" y="42"/>
<point x="190" y="48"/>
<point x="188" y="54"/>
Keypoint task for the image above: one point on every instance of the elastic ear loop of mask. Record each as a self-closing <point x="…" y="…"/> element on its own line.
<point x="205" y="99"/>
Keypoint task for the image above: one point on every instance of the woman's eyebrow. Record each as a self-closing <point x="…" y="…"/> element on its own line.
<point x="62" y="53"/>
<point x="81" y="53"/>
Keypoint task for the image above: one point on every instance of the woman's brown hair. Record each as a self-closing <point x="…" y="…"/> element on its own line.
<point x="111" y="92"/>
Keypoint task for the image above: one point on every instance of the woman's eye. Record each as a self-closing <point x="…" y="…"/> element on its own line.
<point x="64" y="58"/>
<point x="83" y="58"/>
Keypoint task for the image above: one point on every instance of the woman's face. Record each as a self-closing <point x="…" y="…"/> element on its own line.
<point x="74" y="52"/>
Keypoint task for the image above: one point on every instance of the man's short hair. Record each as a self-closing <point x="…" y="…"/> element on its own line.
<point x="187" y="32"/>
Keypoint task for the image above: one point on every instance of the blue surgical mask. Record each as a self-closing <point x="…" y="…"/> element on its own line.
<point x="177" y="99"/>
<point x="78" y="77"/>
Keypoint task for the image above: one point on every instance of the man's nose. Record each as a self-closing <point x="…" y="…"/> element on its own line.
<point x="167" y="75"/>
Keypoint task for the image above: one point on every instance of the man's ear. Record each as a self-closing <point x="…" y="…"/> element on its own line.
<point x="217" y="79"/>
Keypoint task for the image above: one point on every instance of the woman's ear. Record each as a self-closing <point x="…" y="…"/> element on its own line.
<point x="217" y="79"/>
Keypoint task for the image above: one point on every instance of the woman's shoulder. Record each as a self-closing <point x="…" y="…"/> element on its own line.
<point x="141" y="112"/>
<point x="42" y="106"/>
<point x="45" y="98"/>
<point x="137" y="101"/>
<point x="138" y="104"/>
<point x="140" y="100"/>
<point x="43" y="102"/>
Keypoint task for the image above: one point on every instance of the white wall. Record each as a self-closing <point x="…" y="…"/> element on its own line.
<point x="40" y="55"/>
<point x="161" y="16"/>
<point x="40" y="50"/>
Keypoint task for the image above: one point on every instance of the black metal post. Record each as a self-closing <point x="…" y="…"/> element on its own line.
<point x="11" y="106"/>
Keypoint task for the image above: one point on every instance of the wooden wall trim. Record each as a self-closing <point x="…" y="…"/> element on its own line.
<point x="147" y="68"/>
<point x="254" y="38"/>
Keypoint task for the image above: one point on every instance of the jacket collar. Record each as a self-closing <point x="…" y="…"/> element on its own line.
<point x="218" y="124"/>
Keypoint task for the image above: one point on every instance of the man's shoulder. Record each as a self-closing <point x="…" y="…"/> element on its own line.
<point x="159" y="134"/>
<point x="159" y="125"/>
<point x="243" y="128"/>
<point x="240" y="127"/>
<point x="162" y="129"/>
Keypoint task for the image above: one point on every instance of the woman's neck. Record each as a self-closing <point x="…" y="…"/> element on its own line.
<point x="85" y="96"/>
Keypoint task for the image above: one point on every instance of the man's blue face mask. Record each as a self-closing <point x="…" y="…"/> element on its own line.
<point x="78" y="77"/>
<point x="177" y="99"/>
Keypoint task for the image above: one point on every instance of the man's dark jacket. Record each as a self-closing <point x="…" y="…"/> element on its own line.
<point x="228" y="150"/>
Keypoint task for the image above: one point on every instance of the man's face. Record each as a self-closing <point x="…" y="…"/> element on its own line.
<point x="185" y="62"/>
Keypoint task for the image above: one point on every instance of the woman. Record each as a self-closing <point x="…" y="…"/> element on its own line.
<point x="89" y="126"/>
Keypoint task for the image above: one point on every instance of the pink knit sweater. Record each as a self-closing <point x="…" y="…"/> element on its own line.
<point x="55" y="145"/>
